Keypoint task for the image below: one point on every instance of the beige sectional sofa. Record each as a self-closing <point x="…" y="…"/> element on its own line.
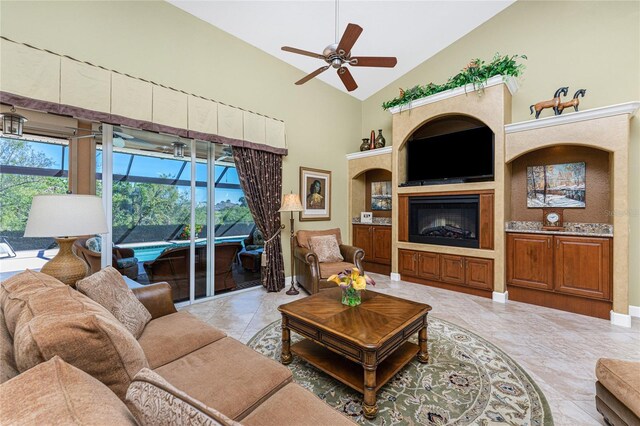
<point x="50" y="331"/>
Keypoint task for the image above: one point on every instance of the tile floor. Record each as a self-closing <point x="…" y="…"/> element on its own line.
<point x="558" y="349"/>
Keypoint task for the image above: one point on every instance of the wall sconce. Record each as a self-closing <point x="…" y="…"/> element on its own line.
<point x="12" y="123"/>
<point x="178" y="149"/>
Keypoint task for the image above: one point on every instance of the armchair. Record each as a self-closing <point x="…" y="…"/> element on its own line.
<point x="123" y="259"/>
<point x="311" y="274"/>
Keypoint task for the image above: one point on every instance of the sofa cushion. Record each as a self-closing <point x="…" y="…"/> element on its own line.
<point x="17" y="289"/>
<point x="333" y="268"/>
<point x="8" y="367"/>
<point x="155" y="402"/>
<point x="55" y="392"/>
<point x="326" y="248"/>
<point x="173" y="336"/>
<point x="303" y="236"/>
<point x="294" y="405"/>
<point x="64" y="322"/>
<point x="622" y="379"/>
<point x="227" y="375"/>
<point x="108" y="288"/>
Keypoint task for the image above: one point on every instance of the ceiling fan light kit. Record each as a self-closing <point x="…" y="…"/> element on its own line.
<point x="338" y="55"/>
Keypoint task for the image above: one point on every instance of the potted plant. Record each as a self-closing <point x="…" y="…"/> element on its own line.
<point x="352" y="283"/>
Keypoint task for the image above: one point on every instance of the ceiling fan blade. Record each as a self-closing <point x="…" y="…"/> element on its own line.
<point x="373" y="61"/>
<point x="347" y="79"/>
<point x="302" y="52"/>
<point x="313" y="74"/>
<point x="349" y="38"/>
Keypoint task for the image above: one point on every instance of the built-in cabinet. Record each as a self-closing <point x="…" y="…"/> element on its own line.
<point x="375" y="240"/>
<point x="462" y="273"/>
<point x="572" y="273"/>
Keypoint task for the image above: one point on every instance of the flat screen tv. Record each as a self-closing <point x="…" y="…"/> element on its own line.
<point x="465" y="156"/>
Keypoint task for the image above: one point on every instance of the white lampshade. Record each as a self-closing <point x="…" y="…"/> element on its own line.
<point x="66" y="215"/>
<point x="291" y="203"/>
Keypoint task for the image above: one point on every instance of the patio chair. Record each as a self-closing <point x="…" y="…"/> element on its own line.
<point x="123" y="259"/>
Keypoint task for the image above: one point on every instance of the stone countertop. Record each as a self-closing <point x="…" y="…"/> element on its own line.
<point x="570" y="228"/>
<point x="384" y="221"/>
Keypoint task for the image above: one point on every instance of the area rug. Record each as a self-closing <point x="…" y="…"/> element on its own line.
<point x="468" y="381"/>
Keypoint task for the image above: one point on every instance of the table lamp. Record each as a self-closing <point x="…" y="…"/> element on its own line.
<point x="291" y="203"/>
<point x="65" y="218"/>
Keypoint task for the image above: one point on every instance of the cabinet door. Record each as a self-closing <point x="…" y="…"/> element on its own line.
<point x="408" y="262"/>
<point x="479" y="273"/>
<point x="362" y="239"/>
<point x="583" y="266"/>
<point x="452" y="269"/>
<point x="530" y="261"/>
<point x="429" y="266"/>
<point x="381" y="242"/>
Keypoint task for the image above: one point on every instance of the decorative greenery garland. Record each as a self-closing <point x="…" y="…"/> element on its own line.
<point x="476" y="72"/>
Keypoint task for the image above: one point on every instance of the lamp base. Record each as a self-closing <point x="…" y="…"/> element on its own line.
<point x="66" y="266"/>
<point x="292" y="291"/>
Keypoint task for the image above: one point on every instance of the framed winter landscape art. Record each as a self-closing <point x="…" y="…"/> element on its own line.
<point x="556" y="185"/>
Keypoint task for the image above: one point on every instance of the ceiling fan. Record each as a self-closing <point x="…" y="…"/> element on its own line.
<point x="338" y="55"/>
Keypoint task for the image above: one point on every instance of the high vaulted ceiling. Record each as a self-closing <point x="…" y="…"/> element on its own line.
<point x="413" y="31"/>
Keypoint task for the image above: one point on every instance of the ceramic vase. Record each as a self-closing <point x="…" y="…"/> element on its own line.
<point x="380" y="140"/>
<point x="365" y="144"/>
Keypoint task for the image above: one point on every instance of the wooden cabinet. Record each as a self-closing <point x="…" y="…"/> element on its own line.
<point x="375" y="240"/>
<point x="429" y="265"/>
<point x="530" y="260"/>
<point x="479" y="273"/>
<point x="583" y="266"/>
<point x="452" y="269"/>
<point x="468" y="274"/>
<point x="408" y="263"/>
<point x="362" y="239"/>
<point x="381" y="242"/>
<point x="571" y="273"/>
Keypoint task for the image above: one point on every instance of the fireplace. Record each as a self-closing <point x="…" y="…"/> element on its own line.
<point x="444" y="220"/>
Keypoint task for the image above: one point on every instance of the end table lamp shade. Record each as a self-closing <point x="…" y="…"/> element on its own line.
<point x="291" y="203"/>
<point x="65" y="218"/>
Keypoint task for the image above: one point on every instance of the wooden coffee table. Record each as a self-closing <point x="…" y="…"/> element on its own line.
<point x="363" y="346"/>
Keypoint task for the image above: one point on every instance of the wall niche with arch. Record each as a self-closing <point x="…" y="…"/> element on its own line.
<point x="598" y="185"/>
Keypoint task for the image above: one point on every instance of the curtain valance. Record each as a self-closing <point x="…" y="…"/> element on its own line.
<point x="45" y="81"/>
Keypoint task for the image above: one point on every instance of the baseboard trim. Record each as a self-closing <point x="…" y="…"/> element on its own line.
<point x="500" y="297"/>
<point x="621" y="320"/>
<point x="394" y="276"/>
<point x="634" y="311"/>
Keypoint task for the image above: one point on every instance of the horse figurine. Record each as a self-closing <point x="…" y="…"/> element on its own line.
<point x="573" y="102"/>
<point x="552" y="103"/>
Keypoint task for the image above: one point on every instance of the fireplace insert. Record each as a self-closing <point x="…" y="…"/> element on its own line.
<point x="445" y="220"/>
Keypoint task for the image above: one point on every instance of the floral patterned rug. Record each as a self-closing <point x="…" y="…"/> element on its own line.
<point x="468" y="381"/>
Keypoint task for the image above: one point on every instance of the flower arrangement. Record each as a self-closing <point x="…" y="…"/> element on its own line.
<point x="351" y="283"/>
<point x="477" y="72"/>
<point x="186" y="232"/>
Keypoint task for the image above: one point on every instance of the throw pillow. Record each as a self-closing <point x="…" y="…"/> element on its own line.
<point x="326" y="248"/>
<point x="64" y="322"/>
<point x="95" y="244"/>
<point x="155" y="402"/>
<point x="258" y="238"/>
<point x="108" y="288"/>
<point x="55" y="392"/>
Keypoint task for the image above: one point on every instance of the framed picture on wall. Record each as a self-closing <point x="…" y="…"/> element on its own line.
<point x="557" y="185"/>
<point x="381" y="196"/>
<point x="315" y="188"/>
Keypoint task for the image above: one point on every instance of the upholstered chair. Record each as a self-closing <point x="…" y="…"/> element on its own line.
<point x="310" y="272"/>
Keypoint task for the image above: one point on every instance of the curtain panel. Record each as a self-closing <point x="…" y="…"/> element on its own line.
<point x="260" y="174"/>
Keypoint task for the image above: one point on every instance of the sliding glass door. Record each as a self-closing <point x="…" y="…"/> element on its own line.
<point x="177" y="211"/>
